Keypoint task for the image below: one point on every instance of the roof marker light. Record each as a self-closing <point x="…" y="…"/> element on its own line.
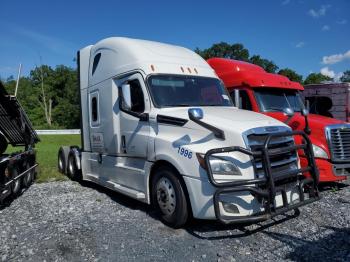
<point x="189" y="70"/>
<point x="182" y="69"/>
<point x="196" y="71"/>
<point x="152" y="67"/>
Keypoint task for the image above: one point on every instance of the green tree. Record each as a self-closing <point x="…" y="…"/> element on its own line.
<point x="236" y="51"/>
<point x="316" y="78"/>
<point x="43" y="79"/>
<point x="346" y="76"/>
<point x="268" y="65"/>
<point x="291" y="74"/>
<point x="67" y="109"/>
<point x="58" y="87"/>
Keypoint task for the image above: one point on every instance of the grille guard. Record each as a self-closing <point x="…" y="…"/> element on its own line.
<point x="269" y="182"/>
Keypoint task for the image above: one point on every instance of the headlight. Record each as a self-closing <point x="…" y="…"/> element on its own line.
<point x="319" y="152"/>
<point x="223" y="167"/>
<point x="220" y="166"/>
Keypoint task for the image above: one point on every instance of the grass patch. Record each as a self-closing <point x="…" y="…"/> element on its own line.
<point x="46" y="152"/>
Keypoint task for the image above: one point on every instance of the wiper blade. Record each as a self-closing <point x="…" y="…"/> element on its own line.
<point x="274" y="109"/>
<point x="178" y="105"/>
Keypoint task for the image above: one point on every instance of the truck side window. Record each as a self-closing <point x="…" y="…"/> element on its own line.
<point x="244" y="100"/>
<point x="137" y="98"/>
<point x="95" y="63"/>
<point x="94" y="109"/>
<point x="244" y="97"/>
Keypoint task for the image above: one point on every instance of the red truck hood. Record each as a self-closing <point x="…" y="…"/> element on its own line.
<point x="317" y="125"/>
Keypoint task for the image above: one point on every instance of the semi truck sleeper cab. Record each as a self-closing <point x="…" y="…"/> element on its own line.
<point x="158" y="126"/>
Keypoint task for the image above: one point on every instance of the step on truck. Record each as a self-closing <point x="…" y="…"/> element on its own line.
<point x="158" y="126"/>
<point x="17" y="169"/>
<point x="276" y="96"/>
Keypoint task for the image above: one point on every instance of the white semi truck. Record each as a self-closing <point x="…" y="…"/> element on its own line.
<point x="158" y="125"/>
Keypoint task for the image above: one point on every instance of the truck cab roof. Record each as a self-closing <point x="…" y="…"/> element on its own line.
<point x="237" y="73"/>
<point x="118" y="55"/>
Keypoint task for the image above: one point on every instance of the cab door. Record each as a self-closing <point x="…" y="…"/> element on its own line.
<point x="134" y="124"/>
<point x="127" y="167"/>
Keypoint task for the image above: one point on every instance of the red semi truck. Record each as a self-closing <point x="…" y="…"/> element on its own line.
<point x="276" y="96"/>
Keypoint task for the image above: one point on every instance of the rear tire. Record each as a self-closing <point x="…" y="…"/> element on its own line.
<point x="169" y="198"/>
<point x="61" y="161"/>
<point x="29" y="177"/>
<point x="72" y="169"/>
<point x="16" y="185"/>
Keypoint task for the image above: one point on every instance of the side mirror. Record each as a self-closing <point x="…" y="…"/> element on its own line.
<point x="195" y="113"/>
<point x="304" y="112"/>
<point x="288" y="112"/>
<point x="126" y="95"/>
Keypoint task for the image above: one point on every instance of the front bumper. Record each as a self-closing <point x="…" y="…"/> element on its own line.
<point x="268" y="189"/>
<point x="341" y="169"/>
<point x="329" y="172"/>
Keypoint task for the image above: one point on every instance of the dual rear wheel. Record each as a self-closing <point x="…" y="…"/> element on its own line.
<point x="12" y="173"/>
<point x="67" y="163"/>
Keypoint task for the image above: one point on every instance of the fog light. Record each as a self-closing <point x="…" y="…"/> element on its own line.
<point x="230" y="208"/>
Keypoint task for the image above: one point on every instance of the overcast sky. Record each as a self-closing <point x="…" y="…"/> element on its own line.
<point x="305" y="35"/>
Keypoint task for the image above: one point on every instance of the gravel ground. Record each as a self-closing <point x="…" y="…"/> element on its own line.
<point x="65" y="221"/>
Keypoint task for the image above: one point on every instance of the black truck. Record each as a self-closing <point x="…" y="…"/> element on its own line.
<point x="17" y="169"/>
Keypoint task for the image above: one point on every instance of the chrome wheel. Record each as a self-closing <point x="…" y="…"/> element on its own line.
<point x="166" y="197"/>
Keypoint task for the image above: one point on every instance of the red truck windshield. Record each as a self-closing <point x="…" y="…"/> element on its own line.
<point x="177" y="91"/>
<point x="275" y="99"/>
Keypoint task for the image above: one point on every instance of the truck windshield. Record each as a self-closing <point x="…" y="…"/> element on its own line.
<point x="275" y="99"/>
<point x="176" y="91"/>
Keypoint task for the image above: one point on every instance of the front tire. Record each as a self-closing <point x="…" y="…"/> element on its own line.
<point x="169" y="198"/>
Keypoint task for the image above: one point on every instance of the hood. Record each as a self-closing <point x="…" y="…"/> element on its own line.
<point x="317" y="123"/>
<point x="298" y="123"/>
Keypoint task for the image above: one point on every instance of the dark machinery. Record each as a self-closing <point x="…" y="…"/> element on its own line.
<point x="17" y="170"/>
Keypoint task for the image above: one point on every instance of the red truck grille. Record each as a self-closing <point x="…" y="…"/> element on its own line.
<point x="339" y="142"/>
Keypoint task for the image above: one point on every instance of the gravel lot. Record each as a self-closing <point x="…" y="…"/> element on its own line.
<point x="65" y="221"/>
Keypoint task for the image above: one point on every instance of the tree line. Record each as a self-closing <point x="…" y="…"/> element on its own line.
<point x="49" y="96"/>
<point x="51" y="99"/>
<point x="238" y="52"/>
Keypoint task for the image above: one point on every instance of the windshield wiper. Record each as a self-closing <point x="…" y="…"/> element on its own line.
<point x="274" y="109"/>
<point x="178" y="105"/>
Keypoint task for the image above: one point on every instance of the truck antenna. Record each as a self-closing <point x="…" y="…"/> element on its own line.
<point x="18" y="76"/>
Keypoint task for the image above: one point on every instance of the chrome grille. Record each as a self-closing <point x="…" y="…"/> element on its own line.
<point x="339" y="142"/>
<point x="255" y="140"/>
